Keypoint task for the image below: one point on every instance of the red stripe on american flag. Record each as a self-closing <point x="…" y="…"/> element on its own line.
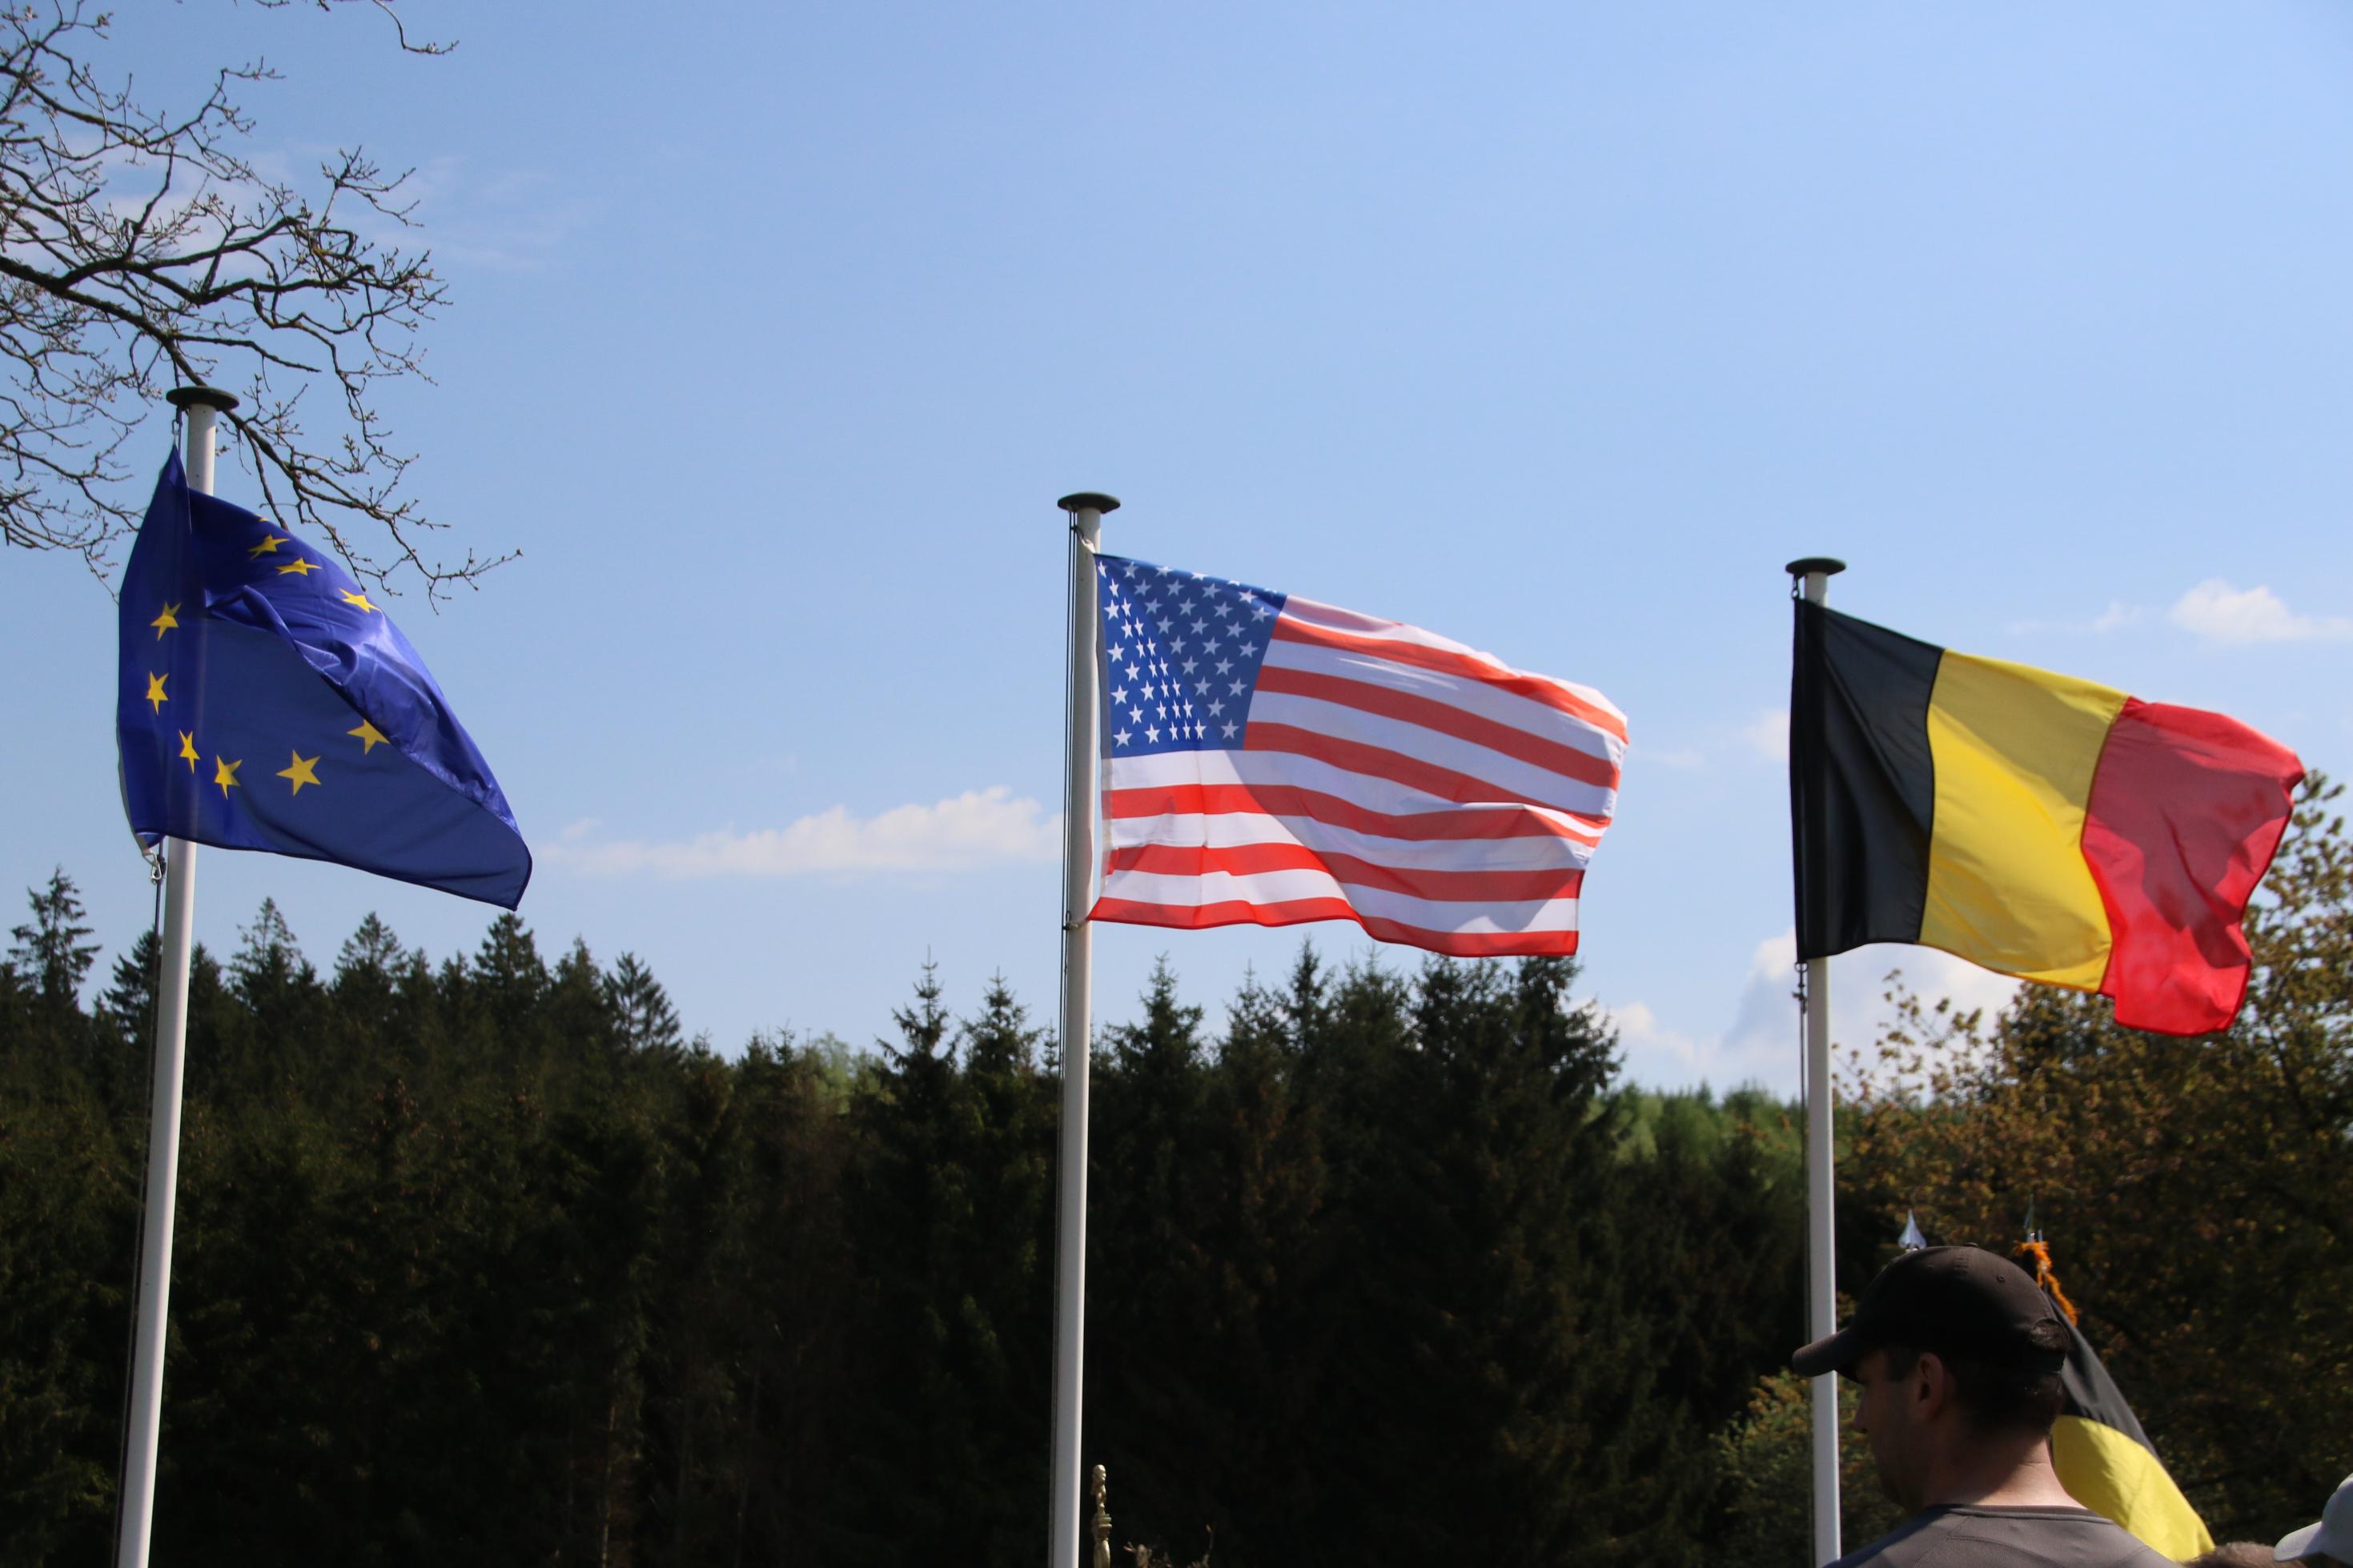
<point x="1314" y="806"/>
<point x="1376" y="762"/>
<point x="1289" y="629"/>
<point x="1444" y="717"/>
<point x="1296" y="911"/>
<point x="1443" y="887"/>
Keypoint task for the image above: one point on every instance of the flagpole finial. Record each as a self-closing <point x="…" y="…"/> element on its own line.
<point x="1911" y="1240"/>
<point x="1089" y="500"/>
<point x="181" y="398"/>
<point x="1807" y="565"/>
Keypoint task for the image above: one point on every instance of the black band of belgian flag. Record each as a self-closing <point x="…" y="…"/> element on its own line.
<point x="1862" y="783"/>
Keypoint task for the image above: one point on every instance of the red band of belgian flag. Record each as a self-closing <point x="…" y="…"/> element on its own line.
<point x="2043" y="826"/>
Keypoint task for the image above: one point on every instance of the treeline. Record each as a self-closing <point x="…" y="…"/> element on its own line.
<point x="482" y="1260"/>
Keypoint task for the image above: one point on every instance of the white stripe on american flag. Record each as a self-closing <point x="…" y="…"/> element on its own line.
<point x="1354" y="769"/>
<point x="1489" y="775"/>
<point x="1530" y="916"/>
<point x="1130" y="780"/>
<point x="1412" y="644"/>
<point x="1234" y="829"/>
<point x="1475" y="698"/>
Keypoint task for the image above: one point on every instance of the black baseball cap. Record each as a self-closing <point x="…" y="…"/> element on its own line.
<point x="1955" y="1300"/>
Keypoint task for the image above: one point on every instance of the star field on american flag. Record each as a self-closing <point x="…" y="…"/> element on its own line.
<point x="1181" y="653"/>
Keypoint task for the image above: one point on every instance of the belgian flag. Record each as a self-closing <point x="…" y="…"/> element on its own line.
<point x="2041" y="825"/>
<point x="2102" y="1457"/>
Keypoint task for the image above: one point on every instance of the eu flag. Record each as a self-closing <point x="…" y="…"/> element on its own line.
<point x="266" y="703"/>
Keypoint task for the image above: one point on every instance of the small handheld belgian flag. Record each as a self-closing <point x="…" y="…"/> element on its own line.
<point x="2104" y="1457"/>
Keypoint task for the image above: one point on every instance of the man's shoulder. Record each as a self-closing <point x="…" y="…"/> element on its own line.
<point x="1966" y="1536"/>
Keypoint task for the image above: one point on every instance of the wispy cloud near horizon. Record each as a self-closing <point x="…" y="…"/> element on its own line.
<point x="1761" y="1046"/>
<point x="963" y="833"/>
<point x="2217" y="612"/>
<point x="2117" y="615"/>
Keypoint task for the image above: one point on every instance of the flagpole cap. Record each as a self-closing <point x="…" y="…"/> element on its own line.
<point x="1084" y="500"/>
<point x="183" y="397"/>
<point x="1807" y="565"/>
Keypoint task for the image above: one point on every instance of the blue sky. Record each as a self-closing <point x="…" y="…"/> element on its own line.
<point x="776" y="331"/>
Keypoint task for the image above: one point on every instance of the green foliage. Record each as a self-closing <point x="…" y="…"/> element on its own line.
<point x="484" y="1260"/>
<point x="1767" y="1460"/>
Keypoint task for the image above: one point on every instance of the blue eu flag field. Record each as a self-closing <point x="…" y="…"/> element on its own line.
<point x="266" y="703"/>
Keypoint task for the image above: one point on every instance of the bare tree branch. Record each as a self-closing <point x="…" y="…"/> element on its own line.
<point x="143" y="250"/>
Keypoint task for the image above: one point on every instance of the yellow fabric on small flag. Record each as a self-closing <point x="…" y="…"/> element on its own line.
<point x="2113" y="1476"/>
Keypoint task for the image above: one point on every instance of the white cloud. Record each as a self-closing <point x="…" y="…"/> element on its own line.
<point x="2117" y="615"/>
<point x="1655" y="1054"/>
<point x="2218" y="613"/>
<point x="1769" y="734"/>
<point x="963" y="833"/>
<point x="1675" y="759"/>
<point x="1763" y="1045"/>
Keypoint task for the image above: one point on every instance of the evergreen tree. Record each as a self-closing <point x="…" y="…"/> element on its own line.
<point x="127" y="1003"/>
<point x="795" y="1489"/>
<point x="1484" y="1372"/>
<point x="124" y="1040"/>
<point x="276" y="1038"/>
<point x="641" y="1008"/>
<point x="1153" y="1379"/>
<point x="1005" y="1132"/>
<point x="948" y="1196"/>
<point x="362" y="995"/>
<point x="497" y="995"/>
<point x="584" y="1026"/>
<point x="50" y="952"/>
<point x="509" y="976"/>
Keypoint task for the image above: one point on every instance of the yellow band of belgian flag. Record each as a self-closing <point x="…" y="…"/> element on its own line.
<point x="2044" y="826"/>
<point x="2016" y="750"/>
<point x="2105" y="1460"/>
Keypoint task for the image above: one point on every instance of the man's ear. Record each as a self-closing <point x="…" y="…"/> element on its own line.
<point x="1930" y="1387"/>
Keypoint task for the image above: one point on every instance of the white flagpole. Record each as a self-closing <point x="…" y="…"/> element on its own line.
<point x="1821" y="1191"/>
<point x="1086" y="509"/>
<point x="137" y="1502"/>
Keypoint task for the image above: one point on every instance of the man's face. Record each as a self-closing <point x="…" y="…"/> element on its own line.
<point x="1885" y="1416"/>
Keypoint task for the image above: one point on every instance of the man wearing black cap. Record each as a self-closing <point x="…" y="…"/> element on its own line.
<point x="1959" y="1356"/>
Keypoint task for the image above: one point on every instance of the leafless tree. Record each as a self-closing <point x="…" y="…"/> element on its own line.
<point x="142" y="248"/>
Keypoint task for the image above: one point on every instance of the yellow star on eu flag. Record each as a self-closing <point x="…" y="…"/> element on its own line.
<point x="301" y="772"/>
<point x="168" y="621"/>
<point x="155" y="690"/>
<point x="188" y="749"/>
<point x="359" y="599"/>
<point x="225" y="775"/>
<point x="267" y="547"/>
<point x="299" y="567"/>
<point x="370" y="737"/>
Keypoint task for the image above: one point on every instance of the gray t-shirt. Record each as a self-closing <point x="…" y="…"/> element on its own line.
<point x="1959" y="1535"/>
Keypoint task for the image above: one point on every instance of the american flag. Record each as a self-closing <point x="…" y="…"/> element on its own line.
<point x="1268" y="760"/>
